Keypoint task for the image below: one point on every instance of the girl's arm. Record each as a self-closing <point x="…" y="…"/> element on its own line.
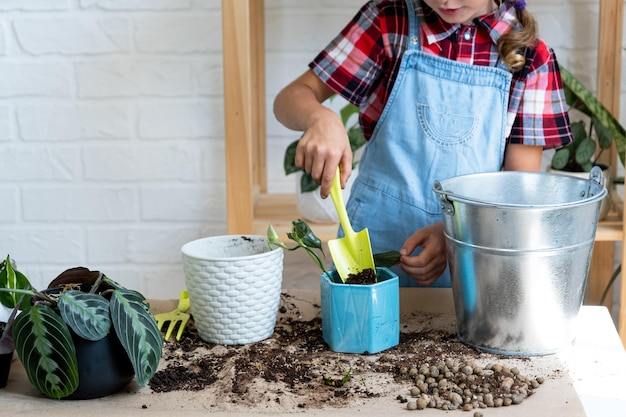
<point x="519" y="157"/>
<point x="324" y="144"/>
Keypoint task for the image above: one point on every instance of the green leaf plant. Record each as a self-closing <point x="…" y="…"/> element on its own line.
<point x="42" y="332"/>
<point x="304" y="238"/>
<point x="11" y="278"/>
<point x="591" y="136"/>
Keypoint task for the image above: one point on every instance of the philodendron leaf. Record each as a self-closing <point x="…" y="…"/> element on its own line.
<point x="581" y="98"/>
<point x="578" y="131"/>
<point x="301" y="233"/>
<point x="587" y="166"/>
<point x="357" y="140"/>
<point x="307" y="183"/>
<point x="137" y="330"/>
<point x="561" y="158"/>
<point x="45" y="347"/>
<point x="289" y="161"/>
<point x="605" y="139"/>
<point x="87" y="314"/>
<point x="386" y="259"/>
<point x="347" y="111"/>
<point x="585" y="151"/>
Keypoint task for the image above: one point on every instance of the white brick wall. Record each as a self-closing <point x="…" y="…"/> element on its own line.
<point x="111" y="123"/>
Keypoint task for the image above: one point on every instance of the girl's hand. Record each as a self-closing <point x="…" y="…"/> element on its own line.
<point x="426" y="267"/>
<point x="324" y="146"/>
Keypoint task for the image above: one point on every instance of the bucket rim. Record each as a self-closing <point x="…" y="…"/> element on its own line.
<point x="451" y="195"/>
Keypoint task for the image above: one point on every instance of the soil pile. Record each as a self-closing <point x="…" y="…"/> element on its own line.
<point x="430" y="368"/>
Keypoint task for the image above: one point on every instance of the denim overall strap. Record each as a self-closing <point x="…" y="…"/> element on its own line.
<point x="443" y="118"/>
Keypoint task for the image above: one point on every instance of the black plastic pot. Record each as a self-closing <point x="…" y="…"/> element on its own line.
<point x="103" y="367"/>
<point x="5" y="368"/>
<point x="5" y="362"/>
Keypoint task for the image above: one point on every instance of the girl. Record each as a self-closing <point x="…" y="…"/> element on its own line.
<point x="445" y="88"/>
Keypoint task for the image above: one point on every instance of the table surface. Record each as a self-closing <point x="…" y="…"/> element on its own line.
<point x="597" y="364"/>
<point x="591" y="383"/>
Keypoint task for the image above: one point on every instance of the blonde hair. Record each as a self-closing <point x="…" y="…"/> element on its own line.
<point x="512" y="45"/>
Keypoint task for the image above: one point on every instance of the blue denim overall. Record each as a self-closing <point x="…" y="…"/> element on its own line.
<point x="443" y="118"/>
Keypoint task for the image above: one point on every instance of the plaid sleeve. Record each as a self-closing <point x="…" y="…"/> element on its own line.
<point x="352" y="64"/>
<point x="542" y="118"/>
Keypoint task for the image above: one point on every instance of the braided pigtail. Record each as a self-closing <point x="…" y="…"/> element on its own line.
<point x="511" y="46"/>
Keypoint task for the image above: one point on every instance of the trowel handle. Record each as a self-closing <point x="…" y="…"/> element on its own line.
<point x="335" y="194"/>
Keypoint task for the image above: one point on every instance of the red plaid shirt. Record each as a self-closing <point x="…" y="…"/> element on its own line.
<point x="362" y="62"/>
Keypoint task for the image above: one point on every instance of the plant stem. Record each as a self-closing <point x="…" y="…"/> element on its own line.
<point x="597" y="158"/>
<point x="19" y="291"/>
<point x="96" y="284"/>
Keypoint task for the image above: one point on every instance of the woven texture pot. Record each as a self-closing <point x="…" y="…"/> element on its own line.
<point x="234" y="285"/>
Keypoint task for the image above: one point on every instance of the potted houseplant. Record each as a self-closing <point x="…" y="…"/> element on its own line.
<point x="356" y="317"/>
<point x="85" y="336"/>
<point x="596" y="132"/>
<point x="309" y="203"/>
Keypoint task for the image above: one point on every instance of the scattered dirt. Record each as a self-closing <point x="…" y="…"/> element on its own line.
<point x="295" y="369"/>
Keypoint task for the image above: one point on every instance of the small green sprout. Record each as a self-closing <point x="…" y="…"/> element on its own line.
<point x="304" y="237"/>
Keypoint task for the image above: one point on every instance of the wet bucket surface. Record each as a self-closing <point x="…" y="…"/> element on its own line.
<point x="519" y="246"/>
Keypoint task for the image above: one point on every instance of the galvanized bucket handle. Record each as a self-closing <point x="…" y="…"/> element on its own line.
<point x="595" y="176"/>
<point x="446" y="204"/>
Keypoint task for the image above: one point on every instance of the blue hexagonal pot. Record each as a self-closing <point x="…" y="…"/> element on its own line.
<point x="361" y="318"/>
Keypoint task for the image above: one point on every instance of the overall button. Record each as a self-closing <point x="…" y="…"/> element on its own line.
<point x="414" y="40"/>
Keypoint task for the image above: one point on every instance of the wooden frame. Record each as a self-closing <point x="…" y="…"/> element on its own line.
<point x="609" y="75"/>
<point x="244" y="109"/>
<point x="250" y="208"/>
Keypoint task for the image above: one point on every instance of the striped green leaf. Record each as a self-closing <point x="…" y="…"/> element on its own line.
<point x="45" y="347"/>
<point x="138" y="332"/>
<point x="87" y="314"/>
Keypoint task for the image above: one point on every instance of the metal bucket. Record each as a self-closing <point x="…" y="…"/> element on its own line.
<point x="519" y="247"/>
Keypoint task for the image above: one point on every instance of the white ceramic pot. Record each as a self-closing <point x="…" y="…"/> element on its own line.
<point x="234" y="284"/>
<point x="314" y="208"/>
